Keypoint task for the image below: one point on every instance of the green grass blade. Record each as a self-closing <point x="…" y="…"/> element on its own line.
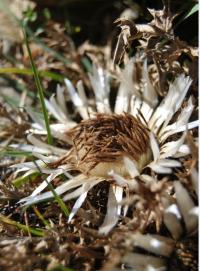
<point x="194" y="9"/>
<point x="40" y="216"/>
<point x="18" y="182"/>
<point x="15" y="153"/>
<point x="24" y="228"/>
<point x="60" y="268"/>
<point x="40" y="91"/>
<point x="190" y="11"/>
<point x="48" y="74"/>
<point x="59" y="200"/>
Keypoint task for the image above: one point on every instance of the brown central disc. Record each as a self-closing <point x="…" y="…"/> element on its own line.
<point x="101" y="143"/>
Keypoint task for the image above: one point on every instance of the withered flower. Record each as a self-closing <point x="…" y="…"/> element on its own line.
<point x="114" y="146"/>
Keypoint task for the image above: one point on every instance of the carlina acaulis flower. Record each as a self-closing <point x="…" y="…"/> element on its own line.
<point x="101" y="143"/>
<point x="117" y="146"/>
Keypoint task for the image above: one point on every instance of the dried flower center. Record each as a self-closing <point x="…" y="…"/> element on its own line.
<point x="101" y="143"/>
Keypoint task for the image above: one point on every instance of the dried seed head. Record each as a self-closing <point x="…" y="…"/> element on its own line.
<point x="101" y="143"/>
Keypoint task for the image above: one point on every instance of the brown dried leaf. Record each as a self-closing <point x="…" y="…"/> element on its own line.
<point x="128" y="33"/>
<point x="163" y="19"/>
<point x="13" y="122"/>
<point x="9" y="27"/>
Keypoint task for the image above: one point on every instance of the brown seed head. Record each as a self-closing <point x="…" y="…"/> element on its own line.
<point x="101" y="143"/>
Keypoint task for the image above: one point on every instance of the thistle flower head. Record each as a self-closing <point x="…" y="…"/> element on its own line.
<point x="114" y="146"/>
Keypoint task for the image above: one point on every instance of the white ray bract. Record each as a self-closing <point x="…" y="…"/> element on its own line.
<point x="148" y="178"/>
<point x="55" y="109"/>
<point x="171" y="103"/>
<point x="194" y="211"/>
<point x="45" y="183"/>
<point x="154" y="147"/>
<point x="168" y="163"/>
<point x="126" y="89"/>
<point x="37" y="130"/>
<point x="182" y="151"/>
<point x="78" y="103"/>
<point x="44" y="158"/>
<point x="44" y="146"/>
<point x="30" y="148"/>
<point x="154" y="243"/>
<point x="66" y="186"/>
<point x="119" y="179"/>
<point x="81" y="92"/>
<point x="29" y="165"/>
<point x="48" y="195"/>
<point x="144" y="99"/>
<point x="76" y="193"/>
<point x="185" y="204"/>
<point x="172" y="217"/>
<point x="28" y="172"/>
<point x="111" y="217"/>
<point x="81" y="193"/>
<point x="58" y="109"/>
<point x="146" y="111"/>
<point x="188" y="126"/>
<point x="131" y="167"/>
<point x="180" y="125"/>
<point x="140" y="262"/>
<point x="121" y="104"/>
<point x="195" y="180"/>
<point x="39" y="123"/>
<point x="135" y="106"/>
<point x="173" y="209"/>
<point x="164" y="166"/>
<point x="119" y="195"/>
<point x="59" y="130"/>
<point x="159" y="169"/>
<point x="123" y="182"/>
<point x="77" y="205"/>
<point x="62" y="128"/>
<point x="149" y="94"/>
<point x="73" y="94"/>
<point x="127" y="185"/>
<point x="101" y="87"/>
<point x="169" y="149"/>
<point x="127" y="197"/>
<point x="173" y="225"/>
<point x="61" y="99"/>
